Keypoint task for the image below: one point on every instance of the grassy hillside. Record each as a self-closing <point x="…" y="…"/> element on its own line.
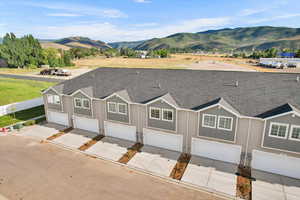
<point x="82" y="42"/>
<point x="227" y="39"/>
<point x="125" y="44"/>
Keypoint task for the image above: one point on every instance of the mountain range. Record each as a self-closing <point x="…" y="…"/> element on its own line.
<point x="244" y="39"/>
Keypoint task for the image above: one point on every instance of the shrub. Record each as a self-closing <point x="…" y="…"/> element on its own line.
<point x="29" y="123"/>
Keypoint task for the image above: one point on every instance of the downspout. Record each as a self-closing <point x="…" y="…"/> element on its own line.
<point x="138" y="125"/>
<point x="247" y="144"/>
<point x="187" y="131"/>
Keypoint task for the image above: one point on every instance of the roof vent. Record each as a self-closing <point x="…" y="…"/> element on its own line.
<point x="236" y="83"/>
<point x="137" y="72"/>
<point x="158" y="85"/>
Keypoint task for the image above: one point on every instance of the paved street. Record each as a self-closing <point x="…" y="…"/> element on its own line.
<point x="31" y="170"/>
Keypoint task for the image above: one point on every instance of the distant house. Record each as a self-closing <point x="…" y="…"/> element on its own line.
<point x="3" y="63"/>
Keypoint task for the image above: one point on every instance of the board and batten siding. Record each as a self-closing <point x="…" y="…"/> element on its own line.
<point x="160" y="124"/>
<point x="282" y="143"/>
<point x="99" y="113"/>
<point x="82" y="111"/>
<point x="51" y="106"/>
<point x="216" y="133"/>
<point x="115" y="116"/>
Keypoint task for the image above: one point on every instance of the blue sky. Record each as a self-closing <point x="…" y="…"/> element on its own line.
<point x="129" y="20"/>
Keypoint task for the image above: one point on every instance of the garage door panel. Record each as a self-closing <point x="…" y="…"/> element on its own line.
<point x="163" y="140"/>
<point x="58" y="118"/>
<point x="216" y="150"/>
<point x="87" y="124"/>
<point x="276" y="163"/>
<point x="121" y="131"/>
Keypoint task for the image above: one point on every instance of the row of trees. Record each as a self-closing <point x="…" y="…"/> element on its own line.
<point x="27" y="52"/>
<point x="268" y="53"/>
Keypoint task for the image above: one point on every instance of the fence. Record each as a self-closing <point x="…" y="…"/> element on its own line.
<point x="15" y="107"/>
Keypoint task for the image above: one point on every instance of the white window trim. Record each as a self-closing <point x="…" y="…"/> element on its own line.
<point x="291" y="131"/>
<point x="84" y="99"/>
<point x="154" y="108"/>
<point x="225" y="129"/>
<point x="75" y="103"/>
<point x="279" y="124"/>
<point x="108" y="103"/>
<point x="82" y="106"/>
<point x="209" y="115"/>
<point x="125" y="108"/>
<point x="52" y="98"/>
<point x="162" y="115"/>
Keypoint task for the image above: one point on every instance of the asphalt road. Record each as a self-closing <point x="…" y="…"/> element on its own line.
<point x="31" y="170"/>
<point x="54" y="80"/>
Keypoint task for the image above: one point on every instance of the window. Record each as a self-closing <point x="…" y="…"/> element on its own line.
<point x="209" y="121"/>
<point x="278" y="130"/>
<point x="53" y="99"/>
<point x="122" y="108"/>
<point x="225" y="123"/>
<point x="112" y="107"/>
<point x="155" y="113"/>
<point x="167" y="115"/>
<point x="78" y="103"/>
<point x="82" y="103"/>
<point x="86" y="103"/>
<point x="295" y="133"/>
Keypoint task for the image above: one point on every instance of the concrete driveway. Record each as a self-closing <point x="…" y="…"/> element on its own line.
<point x="155" y="160"/>
<point x="74" y="139"/>
<point x="110" y="148"/>
<point x="41" y="132"/>
<point x="31" y="170"/>
<point x="211" y="174"/>
<point x="276" y="187"/>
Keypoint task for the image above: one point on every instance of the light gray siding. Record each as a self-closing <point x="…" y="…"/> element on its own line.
<point x="99" y="113"/>
<point x="279" y="143"/>
<point x="116" y="116"/>
<point x="160" y="124"/>
<point x="216" y="133"/>
<point x="68" y="107"/>
<point x="51" y="106"/>
<point x="82" y="111"/>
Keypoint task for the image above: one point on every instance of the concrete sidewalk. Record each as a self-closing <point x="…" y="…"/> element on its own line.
<point x="276" y="187"/>
<point x="110" y="148"/>
<point x="212" y="174"/>
<point x="155" y="160"/>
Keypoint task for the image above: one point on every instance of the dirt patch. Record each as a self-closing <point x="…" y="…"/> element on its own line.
<point x="130" y="153"/>
<point x="91" y="142"/>
<point x="244" y="183"/>
<point x="180" y="166"/>
<point x="60" y="133"/>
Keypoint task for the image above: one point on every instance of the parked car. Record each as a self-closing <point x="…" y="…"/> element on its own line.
<point x="56" y="72"/>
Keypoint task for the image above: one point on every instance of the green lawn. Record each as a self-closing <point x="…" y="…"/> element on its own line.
<point x="21" y="116"/>
<point x="16" y="90"/>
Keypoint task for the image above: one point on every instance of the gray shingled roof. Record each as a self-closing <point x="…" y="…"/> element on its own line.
<point x="249" y="93"/>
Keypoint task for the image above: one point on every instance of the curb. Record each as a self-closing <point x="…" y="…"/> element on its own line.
<point x="149" y="173"/>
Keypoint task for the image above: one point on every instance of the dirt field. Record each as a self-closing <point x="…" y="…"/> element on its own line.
<point x="31" y="170"/>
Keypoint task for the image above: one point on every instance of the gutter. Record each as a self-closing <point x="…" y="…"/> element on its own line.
<point x="247" y="144"/>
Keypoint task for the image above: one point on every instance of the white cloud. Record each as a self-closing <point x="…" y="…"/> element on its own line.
<point x="79" y="9"/>
<point x="248" y="12"/>
<point x="109" y="32"/>
<point x="63" y="15"/>
<point x="268" y="19"/>
<point x="146" y="24"/>
<point x="142" y="1"/>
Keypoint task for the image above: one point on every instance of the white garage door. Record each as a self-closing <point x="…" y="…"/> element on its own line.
<point x="216" y="150"/>
<point x="162" y="139"/>
<point x="58" y="118"/>
<point x="276" y="163"/>
<point x="120" y="131"/>
<point x="87" y="124"/>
